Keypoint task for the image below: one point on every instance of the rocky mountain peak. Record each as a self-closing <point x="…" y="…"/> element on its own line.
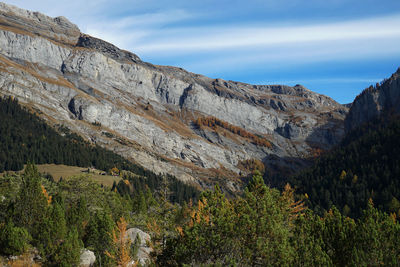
<point x="106" y="48"/>
<point x="57" y="29"/>
<point x="165" y="118"/>
<point x="375" y="101"/>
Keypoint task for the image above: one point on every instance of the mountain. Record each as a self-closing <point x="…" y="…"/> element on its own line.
<point x="375" y="101"/>
<point x="150" y="114"/>
<point x="26" y="138"/>
<point x="366" y="164"/>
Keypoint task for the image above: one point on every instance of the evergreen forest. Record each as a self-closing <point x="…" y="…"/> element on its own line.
<point x="366" y="165"/>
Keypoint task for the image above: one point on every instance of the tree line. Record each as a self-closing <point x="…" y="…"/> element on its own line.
<point x="24" y="137"/>
<point x="263" y="227"/>
<point x="365" y="165"/>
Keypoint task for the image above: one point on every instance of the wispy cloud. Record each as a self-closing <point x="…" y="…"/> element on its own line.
<point x="234" y="37"/>
<point x="325" y="81"/>
<point x="127" y="31"/>
<point x="164" y="33"/>
<point x="249" y="41"/>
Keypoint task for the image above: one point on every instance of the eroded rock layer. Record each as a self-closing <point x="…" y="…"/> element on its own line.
<point x="147" y="112"/>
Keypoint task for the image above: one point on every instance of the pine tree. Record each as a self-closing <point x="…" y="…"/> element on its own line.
<point x="68" y="252"/>
<point x="78" y="216"/>
<point x="377" y="238"/>
<point x="265" y="218"/>
<point x="53" y="233"/>
<point x="13" y="240"/>
<point x="31" y="205"/>
<point x="99" y="236"/>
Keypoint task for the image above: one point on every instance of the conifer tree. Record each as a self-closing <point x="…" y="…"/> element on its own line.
<point x="121" y="245"/>
<point x="31" y="205"/>
<point x="99" y="237"/>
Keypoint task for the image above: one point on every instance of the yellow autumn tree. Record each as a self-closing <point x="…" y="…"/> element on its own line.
<point x="121" y="244"/>
<point x="295" y="207"/>
<point x="44" y="192"/>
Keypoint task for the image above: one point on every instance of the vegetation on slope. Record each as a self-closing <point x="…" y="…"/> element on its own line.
<point x="366" y="165"/>
<point x="213" y="122"/>
<point x="262" y="228"/>
<point x="60" y="218"/>
<point x="269" y="228"/>
<point x="24" y="137"/>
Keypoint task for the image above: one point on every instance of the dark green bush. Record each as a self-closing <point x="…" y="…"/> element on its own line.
<point x="14" y="240"/>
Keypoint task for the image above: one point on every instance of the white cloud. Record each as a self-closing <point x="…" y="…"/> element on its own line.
<point x="324" y="81"/>
<point x="231" y="47"/>
<point x="125" y="31"/>
<point x="221" y="38"/>
<point x="164" y="34"/>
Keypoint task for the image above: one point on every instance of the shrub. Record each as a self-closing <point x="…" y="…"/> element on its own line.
<point x="14" y="240"/>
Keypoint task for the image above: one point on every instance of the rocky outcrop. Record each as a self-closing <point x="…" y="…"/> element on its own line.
<point x="146" y="112"/>
<point x="375" y="101"/>
<point x="87" y="258"/>
<point x="144" y="250"/>
<point x="106" y="48"/>
<point x="34" y="23"/>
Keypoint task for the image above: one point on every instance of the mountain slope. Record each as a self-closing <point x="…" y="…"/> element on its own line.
<point x="26" y="138"/>
<point x="366" y="164"/>
<point x="375" y="101"/>
<point x="363" y="167"/>
<point x="146" y="113"/>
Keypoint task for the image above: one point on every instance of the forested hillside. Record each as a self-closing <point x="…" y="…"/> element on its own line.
<point x="24" y="137"/>
<point x="264" y="227"/>
<point x="366" y="165"/>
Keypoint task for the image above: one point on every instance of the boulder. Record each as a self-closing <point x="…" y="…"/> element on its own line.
<point x="87" y="258"/>
<point x="143" y="254"/>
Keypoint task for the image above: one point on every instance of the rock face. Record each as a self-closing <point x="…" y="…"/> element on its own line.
<point x="34" y="23"/>
<point x="374" y="101"/>
<point x="143" y="254"/>
<point x="87" y="258"/>
<point x="146" y="112"/>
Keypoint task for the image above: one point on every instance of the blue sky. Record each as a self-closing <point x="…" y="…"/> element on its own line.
<point x="333" y="47"/>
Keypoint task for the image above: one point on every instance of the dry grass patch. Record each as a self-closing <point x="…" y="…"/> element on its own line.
<point x="64" y="171"/>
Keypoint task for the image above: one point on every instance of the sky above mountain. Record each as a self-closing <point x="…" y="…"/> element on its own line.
<point x="333" y="47"/>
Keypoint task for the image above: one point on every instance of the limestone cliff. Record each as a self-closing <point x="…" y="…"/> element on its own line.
<point x="147" y="112"/>
<point x="374" y="101"/>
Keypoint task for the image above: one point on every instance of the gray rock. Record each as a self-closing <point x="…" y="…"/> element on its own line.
<point x="87" y="258"/>
<point x="58" y="29"/>
<point x="149" y="109"/>
<point x="374" y="101"/>
<point x="106" y="48"/>
<point x="143" y="254"/>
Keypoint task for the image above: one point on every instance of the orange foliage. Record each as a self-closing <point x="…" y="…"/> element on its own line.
<point x="48" y="198"/>
<point x="316" y="152"/>
<point x="114" y="171"/>
<point x="213" y="122"/>
<point x="180" y="230"/>
<point x="295" y="207"/>
<point x="252" y="165"/>
<point x="154" y="227"/>
<point x="122" y="244"/>
<point x="201" y="214"/>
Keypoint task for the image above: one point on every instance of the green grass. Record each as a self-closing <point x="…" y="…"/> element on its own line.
<point x="64" y="171"/>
